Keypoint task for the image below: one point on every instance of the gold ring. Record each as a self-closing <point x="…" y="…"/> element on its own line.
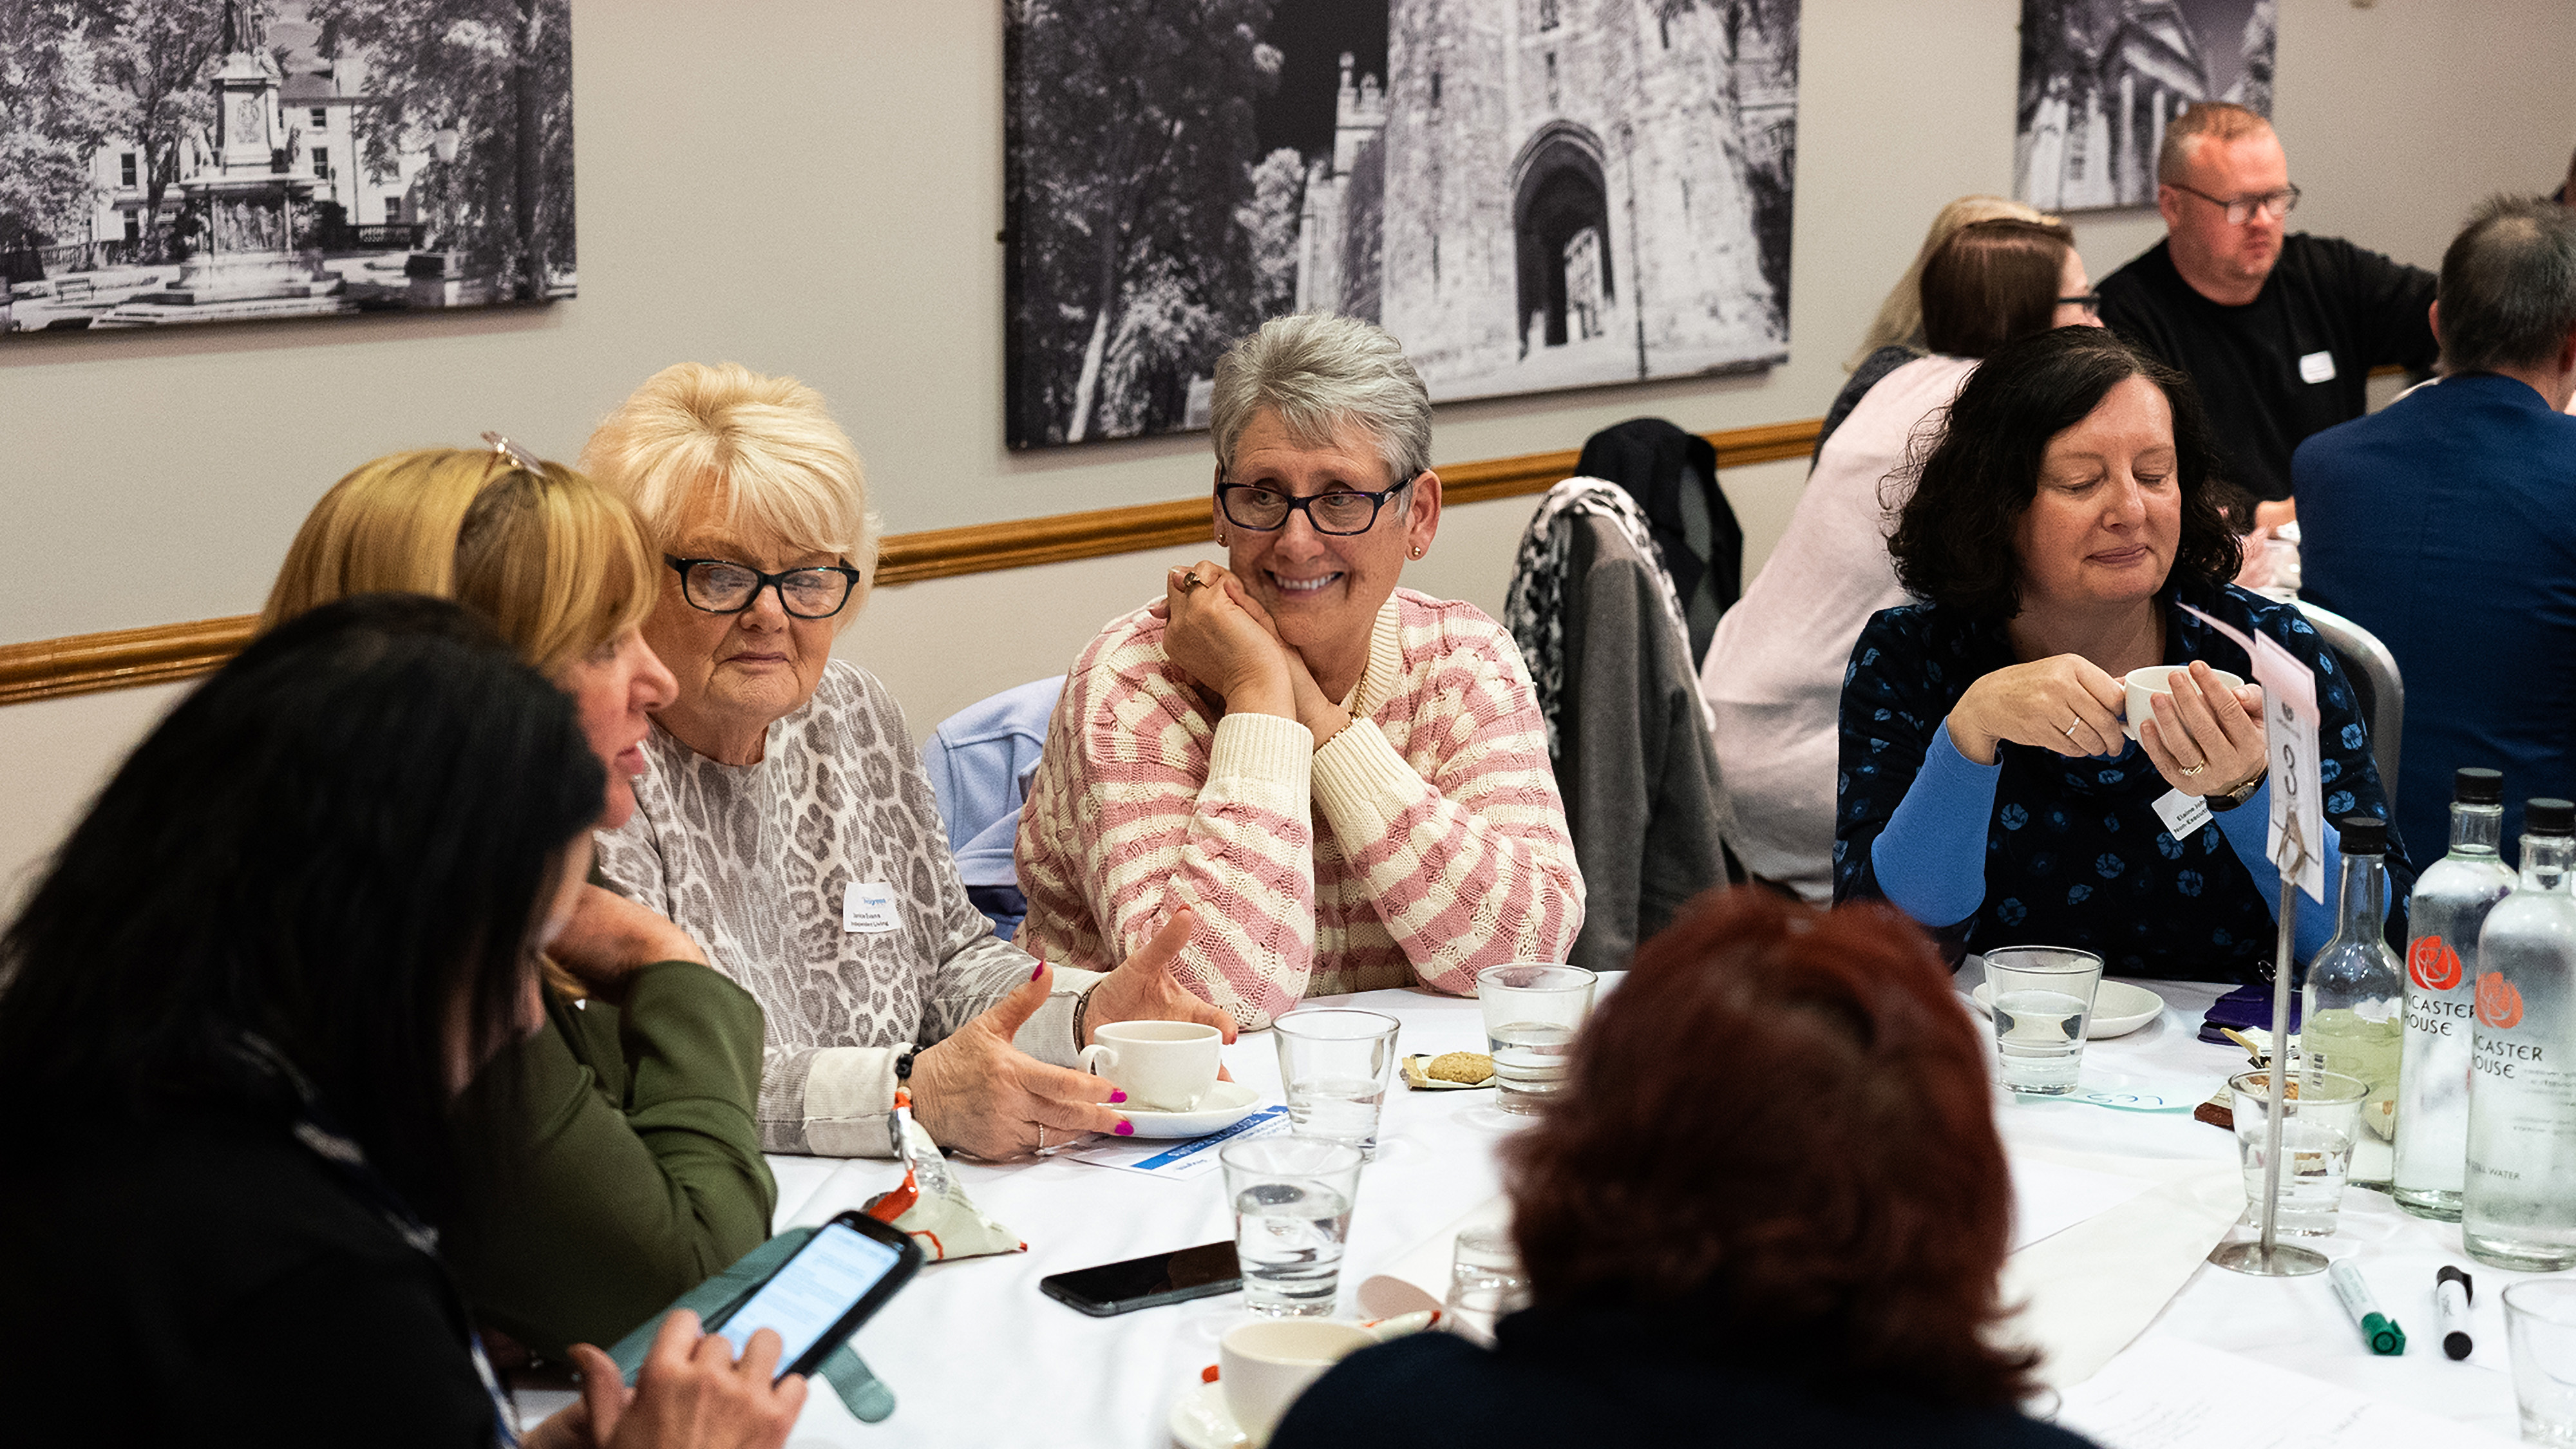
<point x="2196" y="769"/>
<point x="1041" y="1137"/>
<point x="1191" y="580"/>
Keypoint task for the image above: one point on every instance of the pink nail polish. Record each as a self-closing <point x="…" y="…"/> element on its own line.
<point x="1125" y="1129"/>
<point x="1117" y="1095"/>
<point x="1041" y="971"/>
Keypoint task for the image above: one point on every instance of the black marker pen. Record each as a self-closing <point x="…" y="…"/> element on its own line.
<point x="2452" y="1291"/>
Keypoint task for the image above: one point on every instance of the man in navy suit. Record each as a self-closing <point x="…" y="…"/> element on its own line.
<point x="2445" y="523"/>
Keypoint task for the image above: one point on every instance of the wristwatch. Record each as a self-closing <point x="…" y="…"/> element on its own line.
<point x="2237" y="796"/>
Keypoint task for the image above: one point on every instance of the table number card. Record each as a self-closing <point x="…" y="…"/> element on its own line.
<point x="2297" y="838"/>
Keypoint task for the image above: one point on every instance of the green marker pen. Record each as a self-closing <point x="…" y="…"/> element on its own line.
<point x="2381" y="1331"/>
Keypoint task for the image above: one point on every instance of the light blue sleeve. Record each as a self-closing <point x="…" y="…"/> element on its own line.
<point x="1931" y="859"/>
<point x="2247" y="827"/>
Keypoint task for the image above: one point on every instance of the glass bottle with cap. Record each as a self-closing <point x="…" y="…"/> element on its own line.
<point x="2451" y="901"/>
<point x="2518" y="1199"/>
<point x="2353" y="1015"/>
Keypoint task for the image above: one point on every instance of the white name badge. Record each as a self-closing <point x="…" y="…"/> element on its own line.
<point x="2182" y="814"/>
<point x="2317" y="367"/>
<point x="868" y="905"/>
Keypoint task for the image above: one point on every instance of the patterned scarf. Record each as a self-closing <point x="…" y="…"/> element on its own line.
<point x="1535" y="611"/>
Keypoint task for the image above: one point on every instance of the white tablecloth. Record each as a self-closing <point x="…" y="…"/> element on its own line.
<point x="976" y="1355"/>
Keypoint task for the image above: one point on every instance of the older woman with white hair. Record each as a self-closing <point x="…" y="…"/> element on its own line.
<point x="786" y="823"/>
<point x="1346" y="781"/>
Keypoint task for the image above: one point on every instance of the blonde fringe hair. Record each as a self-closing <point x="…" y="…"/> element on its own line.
<point x="559" y="564"/>
<point x="746" y="451"/>
<point x="1899" y="322"/>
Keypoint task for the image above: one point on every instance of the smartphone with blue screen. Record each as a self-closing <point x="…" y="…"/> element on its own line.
<point x="820" y="1296"/>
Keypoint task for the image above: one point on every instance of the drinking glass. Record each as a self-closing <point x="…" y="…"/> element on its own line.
<point x="2540" y="1328"/>
<point x="2042" y="997"/>
<point x="1532" y="1011"/>
<point x="2320" y="1117"/>
<point x="1485" y="1283"/>
<point x="1292" y="1212"/>
<point x="1336" y="1064"/>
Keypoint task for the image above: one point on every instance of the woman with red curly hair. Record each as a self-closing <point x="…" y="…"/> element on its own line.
<point x="1768" y="1210"/>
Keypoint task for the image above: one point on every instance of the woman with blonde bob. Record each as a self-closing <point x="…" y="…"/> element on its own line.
<point x="787" y="822"/>
<point x="640" y="1175"/>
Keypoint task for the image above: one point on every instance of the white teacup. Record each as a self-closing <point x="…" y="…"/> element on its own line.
<point x="1264" y="1366"/>
<point x="2145" y="684"/>
<point x="1163" y="1066"/>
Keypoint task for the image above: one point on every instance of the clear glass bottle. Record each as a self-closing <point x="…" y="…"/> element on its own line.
<point x="2352" y="1017"/>
<point x="2451" y="901"/>
<point x="2518" y="1200"/>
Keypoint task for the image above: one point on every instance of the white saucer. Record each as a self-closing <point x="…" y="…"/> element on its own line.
<point x="1201" y="1420"/>
<point x="1225" y="1104"/>
<point x="2118" y="1009"/>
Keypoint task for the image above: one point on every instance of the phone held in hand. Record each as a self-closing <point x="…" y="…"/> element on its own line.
<point x="1174" y="1277"/>
<point x="820" y="1296"/>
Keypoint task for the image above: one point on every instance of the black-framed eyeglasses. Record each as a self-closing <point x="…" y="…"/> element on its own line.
<point x="1340" y="511"/>
<point x="2091" y="302"/>
<point x="721" y="586"/>
<point x="2273" y="204"/>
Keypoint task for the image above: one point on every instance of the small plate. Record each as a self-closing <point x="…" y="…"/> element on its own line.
<point x="1225" y="1104"/>
<point x="1201" y="1420"/>
<point x="2118" y="1009"/>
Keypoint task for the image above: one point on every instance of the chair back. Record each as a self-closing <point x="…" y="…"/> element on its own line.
<point x="979" y="762"/>
<point x="2376" y="685"/>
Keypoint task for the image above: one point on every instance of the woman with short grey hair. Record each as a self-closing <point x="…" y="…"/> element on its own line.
<point x="1346" y="782"/>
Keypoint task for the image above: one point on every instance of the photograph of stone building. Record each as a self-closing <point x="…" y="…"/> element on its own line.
<point x="1531" y="194"/>
<point x="177" y="161"/>
<point x="2101" y="78"/>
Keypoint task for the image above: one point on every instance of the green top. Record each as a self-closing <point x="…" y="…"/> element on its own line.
<point x="641" y="1176"/>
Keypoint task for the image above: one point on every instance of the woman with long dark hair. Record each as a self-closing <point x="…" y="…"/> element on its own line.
<point x="1797" y="1247"/>
<point x="239" y="1016"/>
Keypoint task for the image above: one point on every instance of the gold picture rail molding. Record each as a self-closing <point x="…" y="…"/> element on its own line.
<point x="165" y="653"/>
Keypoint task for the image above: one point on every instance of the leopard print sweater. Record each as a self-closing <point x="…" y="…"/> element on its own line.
<point x="755" y="862"/>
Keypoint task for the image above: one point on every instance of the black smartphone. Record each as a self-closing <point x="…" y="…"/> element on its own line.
<point x="1175" y="1277"/>
<point x="821" y="1295"/>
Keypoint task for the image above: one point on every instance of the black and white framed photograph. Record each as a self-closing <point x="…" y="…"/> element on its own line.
<point x="175" y="161"/>
<point x="2101" y="78"/>
<point x="1530" y="194"/>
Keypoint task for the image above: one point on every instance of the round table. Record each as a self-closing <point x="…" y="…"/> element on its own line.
<point x="975" y="1354"/>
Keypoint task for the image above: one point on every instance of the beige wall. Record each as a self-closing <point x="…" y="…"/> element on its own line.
<point x="813" y="186"/>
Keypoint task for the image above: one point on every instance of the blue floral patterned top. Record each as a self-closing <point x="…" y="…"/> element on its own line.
<point x="2075" y="854"/>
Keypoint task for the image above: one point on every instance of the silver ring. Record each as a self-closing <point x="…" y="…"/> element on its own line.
<point x="2196" y="769"/>
<point x="1041" y="1137"/>
<point x="2070" y="729"/>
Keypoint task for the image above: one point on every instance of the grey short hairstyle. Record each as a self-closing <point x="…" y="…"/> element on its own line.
<point x="2509" y="286"/>
<point x="1320" y="372"/>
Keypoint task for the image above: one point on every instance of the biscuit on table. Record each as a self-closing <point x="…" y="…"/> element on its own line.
<point x="1460" y="1067"/>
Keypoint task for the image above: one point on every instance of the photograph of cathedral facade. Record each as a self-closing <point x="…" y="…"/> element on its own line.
<point x="1530" y="194"/>
<point x="2101" y="78"/>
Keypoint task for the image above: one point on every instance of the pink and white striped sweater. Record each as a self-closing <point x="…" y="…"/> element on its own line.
<point x="1423" y="843"/>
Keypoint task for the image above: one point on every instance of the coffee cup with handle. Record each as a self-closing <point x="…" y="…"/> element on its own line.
<point x="2145" y="684"/>
<point x="1264" y="1366"/>
<point x="1163" y="1066"/>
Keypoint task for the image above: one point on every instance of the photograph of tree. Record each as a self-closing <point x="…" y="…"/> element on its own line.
<point x="172" y="161"/>
<point x="2100" y="78"/>
<point x="1530" y="194"/>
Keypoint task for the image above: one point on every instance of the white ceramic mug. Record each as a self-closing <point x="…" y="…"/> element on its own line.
<point x="1264" y="1366"/>
<point x="1163" y="1066"/>
<point x="2145" y="684"/>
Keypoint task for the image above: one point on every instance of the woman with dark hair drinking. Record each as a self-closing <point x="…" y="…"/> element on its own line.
<point x="1803" y="1251"/>
<point x="2064" y="530"/>
<point x="239" y="1018"/>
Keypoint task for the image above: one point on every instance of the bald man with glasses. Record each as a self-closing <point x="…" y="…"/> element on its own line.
<point x="2279" y="329"/>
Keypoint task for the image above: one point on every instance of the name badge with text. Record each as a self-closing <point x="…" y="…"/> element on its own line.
<point x="2317" y="367"/>
<point x="2182" y="814"/>
<point x="868" y="905"/>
